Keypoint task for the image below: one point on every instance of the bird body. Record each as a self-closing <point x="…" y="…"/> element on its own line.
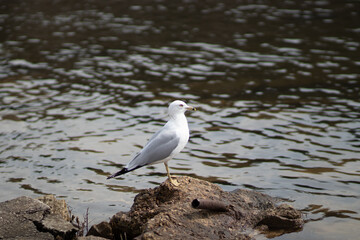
<point x="165" y="143"/>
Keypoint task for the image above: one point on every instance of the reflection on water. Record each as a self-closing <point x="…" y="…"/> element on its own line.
<point x="84" y="85"/>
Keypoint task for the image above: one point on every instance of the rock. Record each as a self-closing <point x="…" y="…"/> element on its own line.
<point x="57" y="206"/>
<point x="27" y="218"/>
<point x="282" y="217"/>
<point x="102" y="229"/>
<point x="18" y="216"/>
<point x="91" y="238"/>
<point x="165" y="212"/>
<point x="54" y="224"/>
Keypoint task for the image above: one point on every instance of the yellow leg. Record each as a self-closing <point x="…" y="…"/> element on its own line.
<point x="173" y="182"/>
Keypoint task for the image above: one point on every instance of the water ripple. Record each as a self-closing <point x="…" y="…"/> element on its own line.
<point x="84" y="86"/>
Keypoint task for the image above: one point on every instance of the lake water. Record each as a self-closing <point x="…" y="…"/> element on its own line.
<point x="85" y="84"/>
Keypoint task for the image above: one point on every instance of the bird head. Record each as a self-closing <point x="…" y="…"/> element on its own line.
<point x="178" y="106"/>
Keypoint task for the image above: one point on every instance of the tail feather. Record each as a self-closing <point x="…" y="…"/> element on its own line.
<point x="122" y="171"/>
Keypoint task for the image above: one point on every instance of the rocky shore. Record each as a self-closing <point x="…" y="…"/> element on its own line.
<point x="195" y="209"/>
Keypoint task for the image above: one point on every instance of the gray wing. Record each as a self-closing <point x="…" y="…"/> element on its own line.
<point x="160" y="146"/>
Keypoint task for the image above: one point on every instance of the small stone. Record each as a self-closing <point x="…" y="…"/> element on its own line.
<point x="102" y="229"/>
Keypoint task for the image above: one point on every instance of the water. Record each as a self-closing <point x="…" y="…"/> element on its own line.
<point x="84" y="85"/>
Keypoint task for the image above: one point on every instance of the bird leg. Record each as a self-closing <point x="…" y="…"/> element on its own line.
<point x="173" y="182"/>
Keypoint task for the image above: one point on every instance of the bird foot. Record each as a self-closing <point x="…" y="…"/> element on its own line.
<point x="174" y="182"/>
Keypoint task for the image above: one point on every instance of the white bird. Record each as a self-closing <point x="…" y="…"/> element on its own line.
<point x="165" y="143"/>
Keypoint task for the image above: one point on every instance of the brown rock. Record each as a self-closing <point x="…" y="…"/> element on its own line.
<point x="165" y="212"/>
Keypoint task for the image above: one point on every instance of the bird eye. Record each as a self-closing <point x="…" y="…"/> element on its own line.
<point x="181" y="105"/>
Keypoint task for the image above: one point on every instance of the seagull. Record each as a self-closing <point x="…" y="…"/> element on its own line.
<point x="165" y="143"/>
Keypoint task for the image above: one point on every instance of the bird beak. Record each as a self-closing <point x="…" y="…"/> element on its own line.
<point x="190" y="108"/>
